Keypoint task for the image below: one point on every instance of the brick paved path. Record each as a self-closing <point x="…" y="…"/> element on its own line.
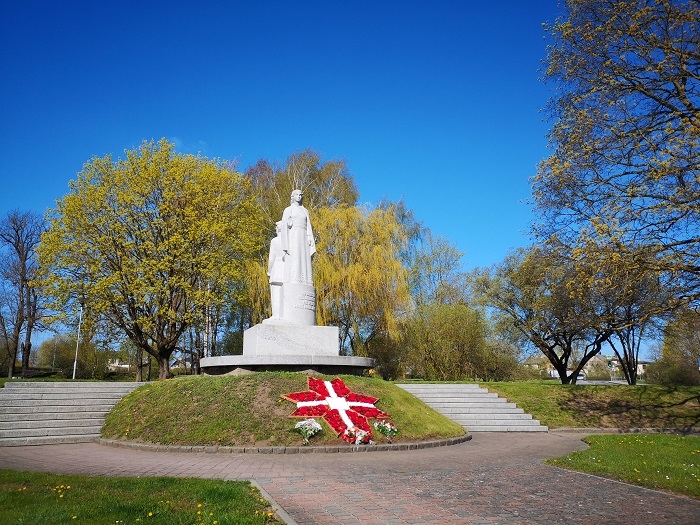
<point x="496" y="478"/>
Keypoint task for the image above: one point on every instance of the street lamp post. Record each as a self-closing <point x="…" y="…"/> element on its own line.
<point x="77" y="343"/>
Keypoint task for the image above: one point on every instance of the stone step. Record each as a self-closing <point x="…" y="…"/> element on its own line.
<point x="525" y="419"/>
<point x="93" y="430"/>
<point x="507" y="428"/>
<point x="480" y="410"/>
<point x="43" y="416"/>
<point x="54" y="409"/>
<point x="47" y="440"/>
<point x="38" y="413"/>
<point x="474" y="407"/>
<point x="511" y="409"/>
<point x="445" y="386"/>
<point x="502" y="404"/>
<point x="51" y="423"/>
<point x="73" y="385"/>
<point x="441" y="398"/>
<point x="12" y="399"/>
<point x="67" y="401"/>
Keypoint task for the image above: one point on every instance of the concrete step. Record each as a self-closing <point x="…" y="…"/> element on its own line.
<point x="52" y="423"/>
<point x="37" y="413"/>
<point x="73" y="385"/>
<point x="474" y="407"/>
<point x="54" y="409"/>
<point x="46" y="440"/>
<point x="57" y="399"/>
<point x="51" y="431"/>
<point x="507" y="428"/>
<point x="501" y="404"/>
<point x="43" y="416"/>
<point x="457" y="396"/>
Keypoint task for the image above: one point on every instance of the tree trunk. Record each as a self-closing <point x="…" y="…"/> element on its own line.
<point x="139" y="364"/>
<point x="26" y="349"/>
<point x="11" y="364"/>
<point x="163" y="368"/>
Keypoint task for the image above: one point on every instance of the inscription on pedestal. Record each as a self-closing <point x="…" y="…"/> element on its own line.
<point x="306" y="301"/>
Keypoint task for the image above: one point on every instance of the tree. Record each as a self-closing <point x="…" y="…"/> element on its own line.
<point x="361" y="283"/>
<point x="436" y="274"/>
<point x="631" y="301"/>
<point x="679" y="362"/>
<point x="626" y="135"/>
<point x="535" y="291"/>
<point x="20" y="309"/>
<point x="446" y="343"/>
<point x="149" y="241"/>
<point x="325" y="184"/>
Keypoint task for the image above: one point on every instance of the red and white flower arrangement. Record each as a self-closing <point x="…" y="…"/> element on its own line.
<point x="345" y="412"/>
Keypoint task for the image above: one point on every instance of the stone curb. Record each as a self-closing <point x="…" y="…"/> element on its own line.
<point x="599" y="430"/>
<point x="216" y="449"/>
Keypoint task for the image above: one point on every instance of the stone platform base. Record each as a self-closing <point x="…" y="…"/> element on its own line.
<point x="240" y="364"/>
<point x="278" y="346"/>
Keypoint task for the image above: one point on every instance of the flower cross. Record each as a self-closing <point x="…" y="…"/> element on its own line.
<point x="343" y="410"/>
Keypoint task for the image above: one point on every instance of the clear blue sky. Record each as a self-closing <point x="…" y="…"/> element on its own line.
<point x="436" y="103"/>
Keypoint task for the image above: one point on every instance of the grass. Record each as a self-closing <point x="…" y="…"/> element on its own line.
<point x="604" y="406"/>
<point x="48" y="499"/>
<point x="248" y="411"/>
<point x="658" y="461"/>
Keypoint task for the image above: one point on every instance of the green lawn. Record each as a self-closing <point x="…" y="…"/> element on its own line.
<point x="657" y="461"/>
<point x="605" y="406"/>
<point x="48" y="499"/>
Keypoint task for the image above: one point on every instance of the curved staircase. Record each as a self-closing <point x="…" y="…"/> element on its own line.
<point x="41" y="413"/>
<point x="474" y="407"/>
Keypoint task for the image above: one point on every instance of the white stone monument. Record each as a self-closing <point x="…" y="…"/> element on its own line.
<point x="290" y="338"/>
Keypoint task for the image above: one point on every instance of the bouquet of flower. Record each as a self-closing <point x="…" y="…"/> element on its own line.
<point x="307" y="428"/>
<point x="387" y="428"/>
<point x="357" y="436"/>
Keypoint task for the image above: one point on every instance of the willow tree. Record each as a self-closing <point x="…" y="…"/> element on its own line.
<point x="149" y="242"/>
<point x="325" y="185"/>
<point x="361" y="283"/>
<point x="626" y="133"/>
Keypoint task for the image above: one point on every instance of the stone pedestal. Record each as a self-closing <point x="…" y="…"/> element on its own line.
<point x="298" y="304"/>
<point x="293" y="348"/>
<point x="272" y="338"/>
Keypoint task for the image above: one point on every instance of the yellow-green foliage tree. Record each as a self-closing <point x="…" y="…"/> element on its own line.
<point x="626" y="134"/>
<point x="147" y="242"/>
<point x="361" y="283"/>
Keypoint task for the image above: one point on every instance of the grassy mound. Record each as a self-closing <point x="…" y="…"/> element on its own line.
<point x="248" y="411"/>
